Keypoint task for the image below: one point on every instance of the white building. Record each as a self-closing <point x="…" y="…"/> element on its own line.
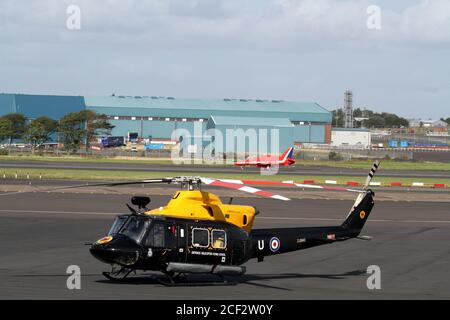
<point x="351" y="137"/>
<point x="416" y="123"/>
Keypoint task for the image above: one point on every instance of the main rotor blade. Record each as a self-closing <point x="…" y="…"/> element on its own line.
<point x="229" y="185"/>
<point x="113" y="184"/>
<point x="289" y="184"/>
<point x="109" y="184"/>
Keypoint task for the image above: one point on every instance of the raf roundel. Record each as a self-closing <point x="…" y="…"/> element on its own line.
<point x="274" y="244"/>
<point x="362" y="214"/>
<point x="104" y="240"/>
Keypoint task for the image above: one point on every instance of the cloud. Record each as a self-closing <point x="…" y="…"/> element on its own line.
<point x="221" y="23"/>
<point x="425" y="22"/>
<point x="428" y="21"/>
<point x="289" y="49"/>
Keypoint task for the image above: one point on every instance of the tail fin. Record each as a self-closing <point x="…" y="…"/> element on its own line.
<point x="289" y="153"/>
<point x="362" y="207"/>
<point x="360" y="213"/>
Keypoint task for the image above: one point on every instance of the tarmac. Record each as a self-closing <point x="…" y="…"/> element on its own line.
<point x="291" y="170"/>
<point x="41" y="234"/>
<point x="406" y="194"/>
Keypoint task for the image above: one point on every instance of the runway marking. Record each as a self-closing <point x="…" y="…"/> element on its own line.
<point x="260" y="218"/>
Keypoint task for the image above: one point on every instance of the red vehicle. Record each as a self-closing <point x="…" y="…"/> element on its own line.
<point x="286" y="159"/>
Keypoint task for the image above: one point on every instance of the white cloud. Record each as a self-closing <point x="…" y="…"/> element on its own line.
<point x="422" y="22"/>
<point x="428" y="21"/>
<point x="268" y="24"/>
<point x="290" y="49"/>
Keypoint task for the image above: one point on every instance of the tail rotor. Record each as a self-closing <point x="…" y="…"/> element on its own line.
<point x="371" y="174"/>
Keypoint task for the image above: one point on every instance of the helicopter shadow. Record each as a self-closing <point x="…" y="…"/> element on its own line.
<point x="212" y="280"/>
<point x="254" y="279"/>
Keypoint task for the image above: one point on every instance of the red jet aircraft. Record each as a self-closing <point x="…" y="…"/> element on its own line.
<point x="286" y="159"/>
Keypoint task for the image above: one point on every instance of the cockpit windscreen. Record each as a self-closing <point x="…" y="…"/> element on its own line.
<point x="133" y="227"/>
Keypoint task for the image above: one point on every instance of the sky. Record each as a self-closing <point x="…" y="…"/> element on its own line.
<point x="299" y="50"/>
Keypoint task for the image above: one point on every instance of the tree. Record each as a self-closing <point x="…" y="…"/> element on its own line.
<point x="379" y="120"/>
<point x="72" y="132"/>
<point x="77" y="128"/>
<point x="40" y="130"/>
<point x="394" y="121"/>
<point x="5" y="129"/>
<point x="15" y="126"/>
<point x="338" y="118"/>
<point x="95" y="124"/>
<point x="446" y="120"/>
<point x="357" y="113"/>
<point x="376" y="121"/>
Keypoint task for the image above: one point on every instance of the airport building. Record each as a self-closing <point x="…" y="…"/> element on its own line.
<point x="351" y="137"/>
<point x="156" y="118"/>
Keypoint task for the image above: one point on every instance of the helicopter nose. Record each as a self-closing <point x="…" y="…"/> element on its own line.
<point x="104" y="254"/>
<point x="122" y="251"/>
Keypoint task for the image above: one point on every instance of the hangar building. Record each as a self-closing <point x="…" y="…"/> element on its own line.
<point x="156" y="117"/>
<point x="351" y="137"/>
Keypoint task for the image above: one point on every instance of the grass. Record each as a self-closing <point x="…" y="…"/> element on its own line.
<point x="127" y="175"/>
<point x="385" y="164"/>
<point x="88" y="159"/>
<point x="352" y="164"/>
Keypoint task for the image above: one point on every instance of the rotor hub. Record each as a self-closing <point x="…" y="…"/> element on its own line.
<point x="188" y="183"/>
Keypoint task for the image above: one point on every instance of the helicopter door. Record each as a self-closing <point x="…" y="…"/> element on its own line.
<point x="180" y="242"/>
<point x="164" y="235"/>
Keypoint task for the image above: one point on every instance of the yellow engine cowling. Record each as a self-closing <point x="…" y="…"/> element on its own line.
<point x="199" y="205"/>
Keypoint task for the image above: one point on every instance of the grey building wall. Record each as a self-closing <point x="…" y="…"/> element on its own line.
<point x="309" y="119"/>
<point x="34" y="106"/>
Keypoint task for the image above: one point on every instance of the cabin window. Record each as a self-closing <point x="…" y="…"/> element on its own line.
<point x="200" y="237"/>
<point x="219" y="239"/>
<point x="156" y="236"/>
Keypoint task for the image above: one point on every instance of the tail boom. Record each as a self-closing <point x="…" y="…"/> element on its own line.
<point x="266" y="242"/>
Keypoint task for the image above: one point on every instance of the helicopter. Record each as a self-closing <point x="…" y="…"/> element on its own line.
<point x="196" y="233"/>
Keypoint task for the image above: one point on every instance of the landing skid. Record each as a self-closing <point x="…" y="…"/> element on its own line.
<point x="117" y="274"/>
<point x="174" y="281"/>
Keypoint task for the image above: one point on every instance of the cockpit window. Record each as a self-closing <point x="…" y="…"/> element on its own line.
<point x="135" y="228"/>
<point x="118" y="223"/>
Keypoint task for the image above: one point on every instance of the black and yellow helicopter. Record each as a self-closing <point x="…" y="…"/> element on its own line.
<point x="197" y="233"/>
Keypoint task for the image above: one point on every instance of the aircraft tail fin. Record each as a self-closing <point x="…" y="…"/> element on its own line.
<point x="360" y="213"/>
<point x="362" y="207"/>
<point x="289" y="153"/>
